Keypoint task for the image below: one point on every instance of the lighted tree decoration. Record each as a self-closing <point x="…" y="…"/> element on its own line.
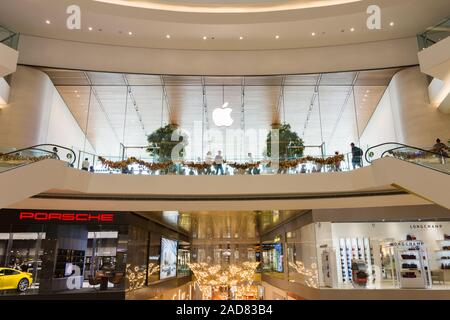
<point x="160" y="144"/>
<point x="290" y="144"/>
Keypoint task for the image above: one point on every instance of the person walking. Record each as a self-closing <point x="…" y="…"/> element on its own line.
<point x="218" y="161"/>
<point x="357" y="155"/>
<point x="85" y="165"/>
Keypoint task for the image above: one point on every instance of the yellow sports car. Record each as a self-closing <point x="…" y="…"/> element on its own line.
<point x="14" y="279"/>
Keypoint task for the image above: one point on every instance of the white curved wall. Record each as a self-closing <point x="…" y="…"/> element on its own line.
<point x="405" y="114"/>
<point x="47" y="52"/>
<point x="37" y="114"/>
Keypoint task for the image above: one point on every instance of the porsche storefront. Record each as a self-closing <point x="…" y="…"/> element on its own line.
<point x="55" y="252"/>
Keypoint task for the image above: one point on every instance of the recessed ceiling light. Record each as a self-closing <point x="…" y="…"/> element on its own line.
<point x="90" y="28"/>
<point x="168" y="36"/>
<point x="277" y="37"/>
<point x="352" y="29"/>
<point x="391" y="24"/>
<point x="47" y="21"/>
<point x="205" y="37"/>
<point x="130" y="33"/>
<point x="241" y="38"/>
<point x="313" y="34"/>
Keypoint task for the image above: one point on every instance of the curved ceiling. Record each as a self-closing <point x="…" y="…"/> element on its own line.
<point x="230" y="6"/>
<point x="106" y="23"/>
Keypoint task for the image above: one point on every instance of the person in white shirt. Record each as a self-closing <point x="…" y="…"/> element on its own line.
<point x="218" y="161"/>
<point x="250" y="161"/>
<point x="85" y="165"/>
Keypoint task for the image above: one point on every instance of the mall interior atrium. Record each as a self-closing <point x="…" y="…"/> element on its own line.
<point x="224" y="150"/>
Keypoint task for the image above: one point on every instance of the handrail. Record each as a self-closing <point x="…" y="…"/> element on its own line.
<point x="37" y="147"/>
<point x="401" y="146"/>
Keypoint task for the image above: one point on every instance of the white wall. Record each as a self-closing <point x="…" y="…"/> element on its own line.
<point x="405" y="115"/>
<point x="101" y="57"/>
<point x="37" y="114"/>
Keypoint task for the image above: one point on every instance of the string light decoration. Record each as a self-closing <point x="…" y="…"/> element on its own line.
<point x="311" y="275"/>
<point x="136" y="277"/>
<point x="221" y="278"/>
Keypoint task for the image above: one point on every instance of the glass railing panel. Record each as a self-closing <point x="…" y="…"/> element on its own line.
<point x="434" y="160"/>
<point x="434" y="34"/>
<point x="9" y="38"/>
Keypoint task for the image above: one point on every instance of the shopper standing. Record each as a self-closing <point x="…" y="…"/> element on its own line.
<point x="85" y="165"/>
<point x="357" y="155"/>
<point x="440" y="148"/>
<point x="337" y="162"/>
<point x="218" y="161"/>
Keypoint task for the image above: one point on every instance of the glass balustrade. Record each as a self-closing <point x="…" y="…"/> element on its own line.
<point x="436" y="158"/>
<point x="434" y="34"/>
<point x="9" y="38"/>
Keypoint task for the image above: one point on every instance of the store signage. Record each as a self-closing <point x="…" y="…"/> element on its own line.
<point x="425" y="226"/>
<point x="56" y="216"/>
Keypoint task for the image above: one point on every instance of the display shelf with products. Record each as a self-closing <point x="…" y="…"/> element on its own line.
<point x="443" y="254"/>
<point x="66" y="262"/>
<point x="329" y="268"/>
<point x="358" y="248"/>
<point x="412" y="264"/>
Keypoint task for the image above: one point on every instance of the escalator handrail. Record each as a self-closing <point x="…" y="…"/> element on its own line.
<point x="401" y="145"/>
<point x="37" y="147"/>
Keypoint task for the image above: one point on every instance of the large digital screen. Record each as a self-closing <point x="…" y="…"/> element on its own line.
<point x="168" y="262"/>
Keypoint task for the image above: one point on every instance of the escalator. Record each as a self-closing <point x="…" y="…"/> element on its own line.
<point x="438" y="160"/>
<point x="22" y="157"/>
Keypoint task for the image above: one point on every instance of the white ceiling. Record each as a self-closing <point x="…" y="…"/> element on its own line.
<point x="337" y="114"/>
<point x="331" y="24"/>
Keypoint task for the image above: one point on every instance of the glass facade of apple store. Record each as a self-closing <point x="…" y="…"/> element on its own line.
<point x="116" y="112"/>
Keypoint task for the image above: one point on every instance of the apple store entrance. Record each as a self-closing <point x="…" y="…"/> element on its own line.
<point x="140" y="116"/>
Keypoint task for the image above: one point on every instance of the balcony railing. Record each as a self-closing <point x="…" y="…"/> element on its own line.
<point x="434" y="34"/>
<point x="9" y="38"/>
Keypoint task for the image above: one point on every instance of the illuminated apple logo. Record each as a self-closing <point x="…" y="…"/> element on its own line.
<point x="222" y="116"/>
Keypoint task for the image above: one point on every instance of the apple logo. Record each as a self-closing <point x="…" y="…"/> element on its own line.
<point x="222" y="116"/>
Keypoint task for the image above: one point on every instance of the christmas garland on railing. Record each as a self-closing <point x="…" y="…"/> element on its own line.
<point x="203" y="166"/>
<point x="9" y="157"/>
<point x="322" y="161"/>
<point x="152" y="166"/>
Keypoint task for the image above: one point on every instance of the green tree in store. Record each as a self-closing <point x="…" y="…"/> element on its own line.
<point x="290" y="144"/>
<point x="160" y="144"/>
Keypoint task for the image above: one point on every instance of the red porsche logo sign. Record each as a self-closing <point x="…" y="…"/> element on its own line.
<point x="56" y="216"/>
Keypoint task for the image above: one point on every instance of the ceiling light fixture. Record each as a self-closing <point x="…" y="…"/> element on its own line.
<point x="352" y="29"/>
<point x="391" y="24"/>
<point x="313" y="34"/>
<point x="130" y="33"/>
<point x="90" y="28"/>
<point x="277" y="37"/>
<point x="47" y="21"/>
<point x="205" y="37"/>
<point x="168" y="36"/>
<point x="241" y="38"/>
